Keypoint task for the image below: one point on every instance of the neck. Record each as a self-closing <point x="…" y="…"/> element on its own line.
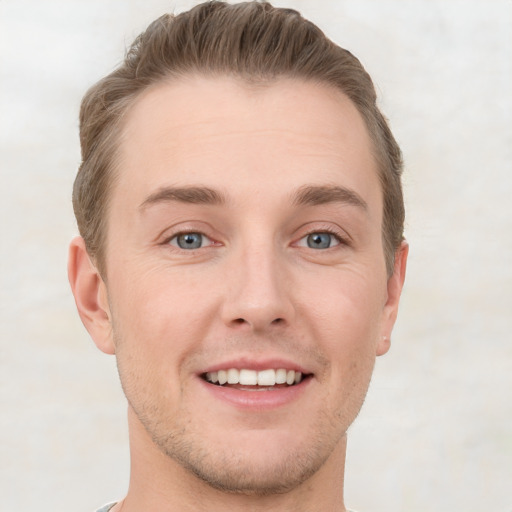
<point x="157" y="482"/>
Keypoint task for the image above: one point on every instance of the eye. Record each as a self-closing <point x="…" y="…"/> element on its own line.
<point x="320" y="240"/>
<point x="190" y="241"/>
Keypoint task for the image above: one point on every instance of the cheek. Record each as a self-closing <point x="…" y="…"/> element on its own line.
<point x="346" y="314"/>
<point x="351" y="315"/>
<point x="160" y="296"/>
<point x="346" y="297"/>
<point x="150" y="333"/>
<point x="159" y="316"/>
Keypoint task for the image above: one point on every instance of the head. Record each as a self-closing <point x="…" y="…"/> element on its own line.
<point x="240" y="207"/>
<point x="254" y="42"/>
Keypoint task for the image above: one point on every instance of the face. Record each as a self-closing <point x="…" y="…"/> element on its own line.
<point x="244" y="243"/>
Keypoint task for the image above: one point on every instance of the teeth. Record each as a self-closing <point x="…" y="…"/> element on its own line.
<point x="245" y="377"/>
<point x="280" y="376"/>
<point x="233" y="376"/>
<point x="212" y="377"/>
<point x="248" y="377"/>
<point x="267" y="378"/>
<point x="222" y="376"/>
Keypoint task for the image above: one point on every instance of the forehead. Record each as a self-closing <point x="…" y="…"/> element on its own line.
<point x="224" y="133"/>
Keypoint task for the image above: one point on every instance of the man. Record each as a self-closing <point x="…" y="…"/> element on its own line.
<point x="241" y="253"/>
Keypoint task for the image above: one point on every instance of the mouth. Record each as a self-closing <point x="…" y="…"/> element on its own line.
<point x="254" y="380"/>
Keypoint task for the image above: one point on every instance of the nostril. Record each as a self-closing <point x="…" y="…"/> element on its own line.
<point x="256" y="324"/>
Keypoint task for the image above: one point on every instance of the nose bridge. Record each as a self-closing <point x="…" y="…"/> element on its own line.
<point x="257" y="295"/>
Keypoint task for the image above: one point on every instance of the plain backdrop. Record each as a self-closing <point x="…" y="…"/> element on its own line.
<point x="435" y="433"/>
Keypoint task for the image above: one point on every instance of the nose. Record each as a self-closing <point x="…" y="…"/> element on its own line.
<point x="259" y="292"/>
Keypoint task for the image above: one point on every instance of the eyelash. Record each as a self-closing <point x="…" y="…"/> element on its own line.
<point x="342" y="240"/>
<point x="168" y="240"/>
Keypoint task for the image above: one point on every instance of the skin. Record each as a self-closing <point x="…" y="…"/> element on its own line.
<point x="254" y="291"/>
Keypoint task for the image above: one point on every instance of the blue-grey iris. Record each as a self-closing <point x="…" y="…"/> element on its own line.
<point x="190" y="240"/>
<point x="319" y="240"/>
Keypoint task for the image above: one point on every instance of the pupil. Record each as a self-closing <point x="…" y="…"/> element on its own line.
<point x="319" y="241"/>
<point x="190" y="241"/>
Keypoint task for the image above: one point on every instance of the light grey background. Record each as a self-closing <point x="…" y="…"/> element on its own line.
<point x="436" y="431"/>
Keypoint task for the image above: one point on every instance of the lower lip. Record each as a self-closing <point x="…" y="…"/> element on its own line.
<point x="257" y="399"/>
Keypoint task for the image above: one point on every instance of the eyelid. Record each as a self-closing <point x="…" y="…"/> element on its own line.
<point x="342" y="237"/>
<point x="302" y="242"/>
<point x="207" y="240"/>
<point x="184" y="227"/>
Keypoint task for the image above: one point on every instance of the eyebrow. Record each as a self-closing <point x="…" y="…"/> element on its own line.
<point x="313" y="195"/>
<point x="307" y="195"/>
<point x="191" y="195"/>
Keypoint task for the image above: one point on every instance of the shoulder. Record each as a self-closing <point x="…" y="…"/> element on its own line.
<point x="106" y="508"/>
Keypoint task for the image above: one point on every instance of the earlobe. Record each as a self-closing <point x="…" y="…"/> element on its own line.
<point x="383" y="345"/>
<point x="394" y="289"/>
<point x="90" y="295"/>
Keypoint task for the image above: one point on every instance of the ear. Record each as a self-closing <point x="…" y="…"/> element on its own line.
<point x="90" y="294"/>
<point x="394" y="290"/>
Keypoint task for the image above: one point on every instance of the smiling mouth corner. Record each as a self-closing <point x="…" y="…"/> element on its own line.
<point x="256" y="380"/>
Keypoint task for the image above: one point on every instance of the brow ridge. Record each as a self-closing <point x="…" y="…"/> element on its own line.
<point x="187" y="194"/>
<point x="313" y="195"/>
<point x="307" y="195"/>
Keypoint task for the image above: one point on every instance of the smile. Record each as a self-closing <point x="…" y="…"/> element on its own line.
<point x="244" y="377"/>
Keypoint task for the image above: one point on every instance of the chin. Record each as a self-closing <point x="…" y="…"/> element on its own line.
<point x="258" y="463"/>
<point x="241" y="475"/>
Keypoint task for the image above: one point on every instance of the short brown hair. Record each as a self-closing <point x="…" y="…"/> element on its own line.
<point x="253" y="41"/>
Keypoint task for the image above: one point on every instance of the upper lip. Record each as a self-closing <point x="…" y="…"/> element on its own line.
<point x="253" y="363"/>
